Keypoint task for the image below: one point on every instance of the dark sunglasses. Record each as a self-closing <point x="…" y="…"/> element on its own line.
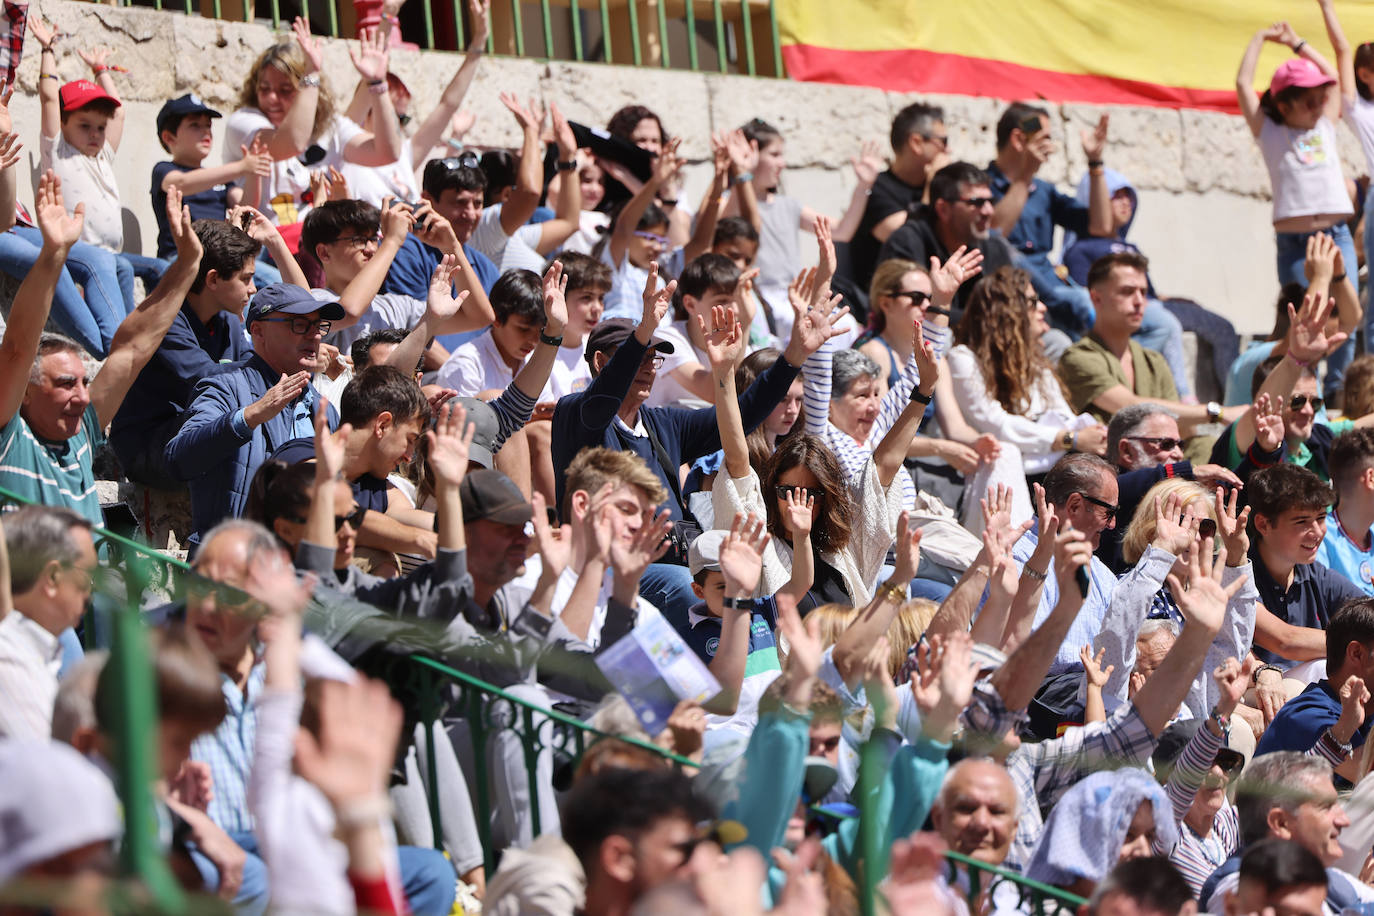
<point x="785" y="490"/>
<point x="915" y="295"/>
<point x="1163" y="443"/>
<point x="404" y="119"/>
<point x="1111" y="509"/>
<point x="354" y="518"/>
<point x="227" y="597"/>
<point x="1301" y="400"/>
<point x="467" y="160"/>
<point x="977" y="203"/>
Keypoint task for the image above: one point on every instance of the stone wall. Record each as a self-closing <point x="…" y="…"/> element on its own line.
<point x="1204" y="214"/>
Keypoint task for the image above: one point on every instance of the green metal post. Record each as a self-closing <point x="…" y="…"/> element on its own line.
<point x="632" y="6"/>
<point x="663" y="31"/>
<point x="778" y="70"/>
<point x="333" y="20"/>
<point x="692" y="61"/>
<point x="576" y="29"/>
<point x="518" y="26"/>
<point x="429" y="715"/>
<point x="548" y="29"/>
<point x="606" y="30"/>
<point x="722" y="51"/>
<point x="747" y="28"/>
<point x="477" y="728"/>
<point x="276" y="15"/>
<point x="457" y="25"/>
<point x="870" y="839"/>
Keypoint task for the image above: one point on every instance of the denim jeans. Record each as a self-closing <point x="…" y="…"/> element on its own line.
<point x="265" y="272"/>
<point x="669" y="588"/>
<point x="90" y="320"/>
<point x="1291" y="255"/>
<point x="129" y="266"/>
<point x="252" y="897"/>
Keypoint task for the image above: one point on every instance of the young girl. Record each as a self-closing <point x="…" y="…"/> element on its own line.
<point x="1294" y="123"/>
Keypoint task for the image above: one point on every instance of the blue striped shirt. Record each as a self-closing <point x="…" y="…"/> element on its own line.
<point x="229" y="751"/>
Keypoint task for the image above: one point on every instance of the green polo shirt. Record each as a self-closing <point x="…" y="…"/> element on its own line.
<point x="1088" y="368"/>
<point x="53" y="473"/>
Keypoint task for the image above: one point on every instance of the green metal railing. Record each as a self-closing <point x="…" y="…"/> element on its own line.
<point x="1031" y="896"/>
<point x="653" y="33"/>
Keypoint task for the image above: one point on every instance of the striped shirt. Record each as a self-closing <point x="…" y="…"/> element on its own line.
<point x="1196" y="857"/>
<point x="30" y="658"/>
<point x="53" y="473"/>
<point x="853" y="455"/>
<point x="229" y="751"/>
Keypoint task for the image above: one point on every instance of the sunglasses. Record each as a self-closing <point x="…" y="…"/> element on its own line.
<point x="227" y="597"/>
<point x="1301" y="400"/>
<point x="354" y="518"/>
<point x="976" y="203"/>
<point x="802" y="493"/>
<point x="467" y="160"/>
<point x="1111" y="509"/>
<point x="1163" y="443"/>
<point x="915" y="295"/>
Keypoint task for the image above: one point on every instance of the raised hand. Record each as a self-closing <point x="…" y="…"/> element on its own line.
<point x="1095" y="140"/>
<point x="329" y="446"/>
<point x="686" y="729"/>
<point x="814" y="327"/>
<point x="94" y="58"/>
<point x="724" y="337"/>
<point x="188" y="244"/>
<point x="6" y="120"/>
<point x="1175" y="527"/>
<point x="256" y="160"/>
<point x="1231" y="526"/>
<point x="597" y="524"/>
<point x="998" y="532"/>
<point x="273" y="581"/>
<point x="529" y="118"/>
<point x="867" y="164"/>
<point x="1268" y="419"/>
<point x="1092" y="666"/>
<point x="942" y="685"/>
<point x="1048" y="533"/>
<point x="1204" y="600"/>
<point x="667" y="165"/>
<point x="60" y="229"/>
<point x="801" y="291"/>
<point x="440" y="301"/>
<point x="804" y="647"/>
<point x="338" y="185"/>
<point x="397" y="220"/>
<point x="42" y="32"/>
<point x="914" y="883"/>
<point x="286" y="390"/>
<point x="878" y="685"/>
<point x="741" y="555"/>
<point x="1308" y="341"/>
<point x="1320" y="263"/>
<point x="310" y="46"/>
<point x="656" y="303"/>
<point x="907" y="549"/>
<point x="744" y="290"/>
<point x="555" y="544"/>
<point x="479" y="14"/>
<point x="1072" y="549"/>
<point x="350" y="761"/>
<point x="372" y="57"/>
<point x="630" y="558"/>
<point x="827" y="261"/>
<point x="555" y="300"/>
<point x="1286" y="35"/>
<point x="563" y="134"/>
<point x="449" y="443"/>
<point x="1233" y="679"/>
<point x="946" y="278"/>
<point x="799" y="511"/>
<point x="927" y="365"/>
<point x="1354" y="699"/>
<point x="744" y="156"/>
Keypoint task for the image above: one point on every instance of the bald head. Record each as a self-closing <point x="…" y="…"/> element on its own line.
<point x="977" y="809"/>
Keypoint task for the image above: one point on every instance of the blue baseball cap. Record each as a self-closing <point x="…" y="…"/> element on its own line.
<point x="289" y="299"/>
<point x="180" y="107"/>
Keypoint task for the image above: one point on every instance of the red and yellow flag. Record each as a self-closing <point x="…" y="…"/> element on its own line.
<point x="1169" y="53"/>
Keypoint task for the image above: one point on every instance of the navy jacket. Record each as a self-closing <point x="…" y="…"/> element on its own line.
<point x="211" y="456"/>
<point x="585" y="419"/>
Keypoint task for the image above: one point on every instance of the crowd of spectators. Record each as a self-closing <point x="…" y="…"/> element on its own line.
<point x="941" y="520"/>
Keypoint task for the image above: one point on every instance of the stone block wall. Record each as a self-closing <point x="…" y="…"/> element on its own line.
<point x="1204" y="214"/>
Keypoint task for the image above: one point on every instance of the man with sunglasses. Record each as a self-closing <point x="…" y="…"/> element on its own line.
<point x="959" y="214"/>
<point x="238" y="418"/>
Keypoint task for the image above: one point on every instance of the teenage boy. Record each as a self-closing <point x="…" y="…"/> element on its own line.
<point x="82" y="123"/>
<point x="1288" y="507"/>
<point x="185" y="131"/>
<point x="490" y="360"/>
<point x="1348" y="547"/>
<point x="708" y="281"/>
<point x="355" y="244"/>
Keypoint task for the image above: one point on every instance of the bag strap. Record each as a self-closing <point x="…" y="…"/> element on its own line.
<point x="669" y="469"/>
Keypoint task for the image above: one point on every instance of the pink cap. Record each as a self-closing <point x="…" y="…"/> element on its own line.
<point x="80" y="93"/>
<point x="1298" y="71"/>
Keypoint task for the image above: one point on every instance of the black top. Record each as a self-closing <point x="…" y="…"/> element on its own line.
<point x="889" y="195"/>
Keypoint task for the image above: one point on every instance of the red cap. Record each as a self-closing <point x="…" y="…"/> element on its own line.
<point x="80" y="93"/>
<point x="1298" y="71"/>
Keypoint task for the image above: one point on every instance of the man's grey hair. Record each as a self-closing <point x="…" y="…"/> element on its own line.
<point x="1275" y="780"/>
<point x="847" y="367"/>
<point x="36" y="536"/>
<point x="74" y="708"/>
<point x="256" y="536"/>
<point x="52" y="343"/>
<point x="1155" y="625"/>
<point x="1076" y="472"/>
<point x="1127" y="422"/>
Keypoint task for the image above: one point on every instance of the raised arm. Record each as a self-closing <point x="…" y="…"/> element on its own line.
<point x="741" y="562"/>
<point x="441" y="307"/>
<point x="665" y="167"/>
<point x="357" y="297"/>
<point x="431" y="130"/>
<point x="1245" y="77"/>
<point x="1100" y="222"/>
<point x="709" y="212"/>
<point x="890" y="453"/>
<point x="449" y="442"/>
<point x="725" y="342"/>
<point x="534" y="375"/>
<point x="383" y="145"/>
<point x="96" y="59"/>
<point x="1345" y="57"/>
<point x="867" y="164"/>
<point x="290" y="138"/>
<point x="139" y="335"/>
<point x="567" y="217"/>
<point x="264" y="231"/>
<point x="875" y="618"/>
<point x="50" y="109"/>
<point x="33" y="300"/>
<point x="524" y="198"/>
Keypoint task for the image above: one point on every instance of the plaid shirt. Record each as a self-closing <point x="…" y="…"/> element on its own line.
<point x="1044" y="771"/>
<point x="229" y="751"/>
<point x="13" y="24"/>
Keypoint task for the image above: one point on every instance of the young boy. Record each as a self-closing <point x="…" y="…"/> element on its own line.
<point x="1348" y="547"/>
<point x="1298" y="595"/>
<point x="82" y="123"/>
<point x="185" y="132"/>
<point x="490" y="361"/>
<point x="685" y="379"/>
<point x="588" y="282"/>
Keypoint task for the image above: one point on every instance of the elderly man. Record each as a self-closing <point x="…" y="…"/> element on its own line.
<point x="238" y="418"/>
<point x="53" y="415"/>
<point x="1144" y="442"/>
<point x="50" y="578"/>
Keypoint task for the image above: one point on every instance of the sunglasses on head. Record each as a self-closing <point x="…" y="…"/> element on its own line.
<point x="468" y="160"/>
<point x="1300" y="401"/>
<point x="653" y="237"/>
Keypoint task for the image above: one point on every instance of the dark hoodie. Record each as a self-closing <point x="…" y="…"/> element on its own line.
<point x="1079" y="253"/>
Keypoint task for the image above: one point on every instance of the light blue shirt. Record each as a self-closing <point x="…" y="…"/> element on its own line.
<point x="229" y="751"/>
<point x="1340" y="552"/>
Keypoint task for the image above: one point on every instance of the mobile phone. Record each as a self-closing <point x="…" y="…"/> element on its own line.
<point x="245" y="220"/>
<point x="414" y="205"/>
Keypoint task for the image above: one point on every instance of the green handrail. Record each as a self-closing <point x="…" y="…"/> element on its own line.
<point x="1043" y="900"/>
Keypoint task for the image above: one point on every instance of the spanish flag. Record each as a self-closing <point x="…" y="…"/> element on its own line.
<point x="1166" y="53"/>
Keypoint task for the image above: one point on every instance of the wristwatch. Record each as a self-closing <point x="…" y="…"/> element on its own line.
<point x="1223" y="722"/>
<point x="1035" y="574"/>
<point x="921" y="398"/>
<point x="565" y="166"/>
<point x="1066" y="440"/>
<point x="1213" y="411"/>
<point x="551" y="341"/>
<point x="738" y="604"/>
<point x="937" y="310"/>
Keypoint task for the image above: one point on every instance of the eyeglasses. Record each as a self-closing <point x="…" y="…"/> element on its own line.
<point x="940" y="140"/>
<point x="785" y="490"/>
<point x="88" y="576"/>
<point x="303" y="326"/>
<point x="1302" y="400"/>
<point x="1163" y="443"/>
<point x="226" y="597"/>
<point x="653" y="358"/>
<point x="915" y="295"/>
<point x="977" y="203"/>
<point x="362" y="241"/>
<point x="661" y="240"/>
<point x="1111" y="509"/>
<point x="353" y="519"/>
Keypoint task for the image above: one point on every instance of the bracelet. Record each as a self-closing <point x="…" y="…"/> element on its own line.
<point x="1035" y="574"/>
<point x="551" y="341"/>
<point x="1254" y="676"/>
<point x="49" y="76"/>
<point x="1300" y="363"/>
<point x="895" y="592"/>
<point x="738" y="604"/>
<point x="377" y="87"/>
<point x="919" y="398"/>
<point x="1297" y="48"/>
<point x="743" y="177"/>
<point x="363" y="812"/>
<point x="937" y="310"/>
<point x="1338" y="278"/>
<point x="568" y="165"/>
<point x="309" y="81"/>
<point x="1073" y="442"/>
<point x="1094" y="163"/>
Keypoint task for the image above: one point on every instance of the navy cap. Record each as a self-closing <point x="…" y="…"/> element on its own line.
<point x="180" y="107"/>
<point x="611" y="333"/>
<point x="289" y="299"/>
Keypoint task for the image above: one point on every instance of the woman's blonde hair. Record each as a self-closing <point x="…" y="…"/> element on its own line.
<point x="289" y="59"/>
<point x="906" y="631"/>
<point x="835" y="619"/>
<point x="887" y="279"/>
<point x="1141" y="530"/>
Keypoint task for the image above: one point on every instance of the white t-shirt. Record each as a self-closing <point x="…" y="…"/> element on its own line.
<point x="570" y="374"/>
<point x="1359" y="114"/>
<point x="476" y="366"/>
<point x="567" y="581"/>
<point x="1304" y="169"/>
<point x="89" y="180"/>
<point x="508" y="252"/>
<point x="592" y="225"/>
<point x="668" y="391"/>
<point x="388" y="310"/>
<point x="283" y="190"/>
<point x="376" y="183"/>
